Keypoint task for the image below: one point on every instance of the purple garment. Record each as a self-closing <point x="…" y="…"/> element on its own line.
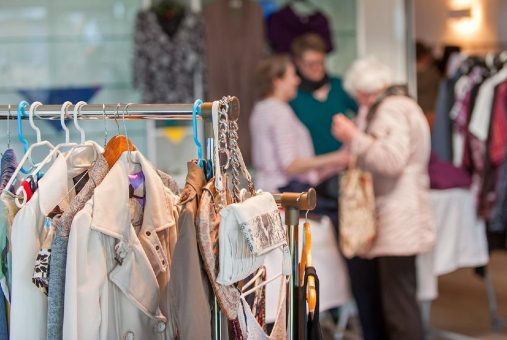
<point x="444" y="175"/>
<point x="285" y="25"/>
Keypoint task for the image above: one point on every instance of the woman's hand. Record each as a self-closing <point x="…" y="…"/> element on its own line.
<point x="344" y="129"/>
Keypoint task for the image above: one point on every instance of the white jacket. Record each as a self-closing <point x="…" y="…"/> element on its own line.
<point x="116" y="281"/>
<point x="29" y="304"/>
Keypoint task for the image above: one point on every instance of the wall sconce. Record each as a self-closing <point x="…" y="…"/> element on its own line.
<point x="465" y="13"/>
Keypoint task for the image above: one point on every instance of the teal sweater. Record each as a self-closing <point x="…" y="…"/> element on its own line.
<point x="317" y="116"/>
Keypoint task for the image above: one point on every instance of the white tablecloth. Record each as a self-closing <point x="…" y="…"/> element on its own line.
<point x="461" y="239"/>
<point x="330" y="266"/>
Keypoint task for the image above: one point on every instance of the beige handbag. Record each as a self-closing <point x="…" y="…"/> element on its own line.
<point x="357" y="212"/>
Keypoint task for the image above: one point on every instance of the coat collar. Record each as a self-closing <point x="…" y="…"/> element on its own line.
<point x="111" y="209"/>
<point x="55" y="185"/>
<point x="194" y="183"/>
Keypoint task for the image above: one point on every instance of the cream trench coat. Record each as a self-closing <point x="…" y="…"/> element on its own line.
<point x="396" y="151"/>
<point x="116" y="281"/>
<point x="28" y="318"/>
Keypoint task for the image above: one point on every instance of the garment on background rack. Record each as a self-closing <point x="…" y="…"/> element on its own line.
<point x="165" y="65"/>
<point x="285" y="25"/>
<point x="232" y="54"/>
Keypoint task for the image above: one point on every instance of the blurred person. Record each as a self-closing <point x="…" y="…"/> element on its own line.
<point x="319" y="95"/>
<point x="281" y="145"/>
<point x="428" y="80"/>
<point x="392" y="142"/>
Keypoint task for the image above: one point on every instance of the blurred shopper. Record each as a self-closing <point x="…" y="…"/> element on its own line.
<point x="319" y="95"/>
<point x="282" y="148"/>
<point x="428" y="80"/>
<point x="393" y="143"/>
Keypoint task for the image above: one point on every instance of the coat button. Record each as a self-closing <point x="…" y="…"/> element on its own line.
<point x="148" y="233"/>
<point x="129" y="335"/>
<point x="160" y="327"/>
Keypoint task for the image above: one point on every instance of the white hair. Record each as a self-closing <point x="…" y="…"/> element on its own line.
<point x="367" y="75"/>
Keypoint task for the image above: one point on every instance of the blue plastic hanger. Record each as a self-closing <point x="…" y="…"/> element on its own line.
<point x="196" y="110"/>
<point x="22" y="113"/>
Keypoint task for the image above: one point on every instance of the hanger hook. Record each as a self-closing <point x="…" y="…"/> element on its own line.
<point x="77" y="110"/>
<point x="31" y="112"/>
<point x="20" y="113"/>
<point x="117" y="114"/>
<point x="105" y="123"/>
<point x="306" y="216"/>
<point x="63" y="114"/>
<point x="9" y="127"/>
<point x="125" y="110"/>
<point x="196" y="110"/>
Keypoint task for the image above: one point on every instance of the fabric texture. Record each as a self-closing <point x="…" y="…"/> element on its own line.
<point x="285" y="25"/>
<point x="396" y="151"/>
<point x="127" y="295"/>
<point x="313" y="330"/>
<point x="208" y="223"/>
<point x="399" y="297"/>
<point x="498" y="221"/>
<point x="8" y="165"/>
<point x="41" y="268"/>
<point x="189" y="290"/>
<point x="441" y="137"/>
<point x="250" y="327"/>
<point x="236" y="259"/>
<point x="58" y="262"/>
<point x="233" y="73"/>
<point x="445" y="175"/>
<point x="165" y="66"/>
<point x="278" y="139"/>
<point x="29" y="231"/>
<point x="317" y="115"/>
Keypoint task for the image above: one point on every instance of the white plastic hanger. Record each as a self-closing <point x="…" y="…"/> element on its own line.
<point x="248" y="292"/>
<point x="77" y="109"/>
<point x="28" y="153"/>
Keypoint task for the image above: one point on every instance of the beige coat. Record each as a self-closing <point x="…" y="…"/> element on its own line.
<point x="396" y="151"/>
<point x="117" y="279"/>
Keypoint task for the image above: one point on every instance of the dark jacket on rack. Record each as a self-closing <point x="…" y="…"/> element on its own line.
<point x="189" y="290"/>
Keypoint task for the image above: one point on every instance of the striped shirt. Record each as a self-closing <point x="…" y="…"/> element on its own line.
<point x="278" y="138"/>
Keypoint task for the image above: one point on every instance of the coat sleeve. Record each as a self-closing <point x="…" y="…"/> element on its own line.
<point x="385" y="149"/>
<point x="85" y="282"/>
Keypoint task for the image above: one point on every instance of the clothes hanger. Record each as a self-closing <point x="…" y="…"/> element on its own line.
<point x="77" y="109"/>
<point x="306" y="261"/>
<point x="20" y="113"/>
<point x="117" y="145"/>
<point x="196" y="110"/>
<point x="260" y="272"/>
<point x="219" y="185"/>
<point x="28" y="152"/>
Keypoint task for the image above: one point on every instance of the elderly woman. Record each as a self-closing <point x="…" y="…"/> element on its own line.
<point x="392" y="141"/>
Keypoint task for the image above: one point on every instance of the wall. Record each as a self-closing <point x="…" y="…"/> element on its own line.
<point x="476" y="35"/>
<point x="382" y="32"/>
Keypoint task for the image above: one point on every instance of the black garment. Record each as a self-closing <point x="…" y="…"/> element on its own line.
<point x="400" y="308"/>
<point x="365" y="286"/>
<point x="311" y="85"/>
<point x="313" y="330"/>
<point x="286" y="25"/>
<point x="385" y="290"/>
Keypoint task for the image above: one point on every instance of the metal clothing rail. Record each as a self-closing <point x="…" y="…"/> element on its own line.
<point x="292" y="203"/>
<point x="120" y="111"/>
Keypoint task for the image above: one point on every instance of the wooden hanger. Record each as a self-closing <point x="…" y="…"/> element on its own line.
<point x="115" y="147"/>
<point x="306" y="261"/>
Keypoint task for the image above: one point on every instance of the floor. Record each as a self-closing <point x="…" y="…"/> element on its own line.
<point x="462" y="305"/>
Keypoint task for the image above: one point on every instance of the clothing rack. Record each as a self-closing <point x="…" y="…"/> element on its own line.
<point x="292" y="203"/>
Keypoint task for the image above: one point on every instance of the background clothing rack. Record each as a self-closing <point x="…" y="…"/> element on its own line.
<point x="292" y="203"/>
